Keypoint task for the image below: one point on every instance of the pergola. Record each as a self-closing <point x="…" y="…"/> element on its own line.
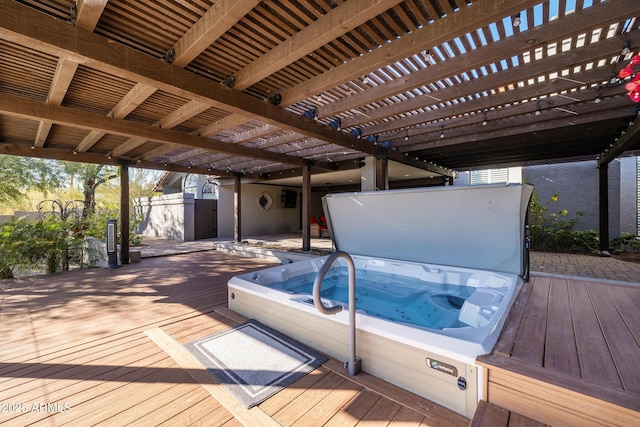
<point x="263" y="90"/>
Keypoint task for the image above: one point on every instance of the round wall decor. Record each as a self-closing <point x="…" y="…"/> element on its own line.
<point x="265" y="201"/>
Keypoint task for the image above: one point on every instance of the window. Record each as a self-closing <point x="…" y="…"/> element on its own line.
<point x="210" y="189"/>
<point x="489" y="176"/>
<point x="190" y="184"/>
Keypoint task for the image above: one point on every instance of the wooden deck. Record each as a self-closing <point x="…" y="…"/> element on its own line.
<point x="103" y="347"/>
<point x="570" y="354"/>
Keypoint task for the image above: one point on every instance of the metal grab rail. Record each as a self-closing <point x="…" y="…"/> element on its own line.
<point x="354" y="363"/>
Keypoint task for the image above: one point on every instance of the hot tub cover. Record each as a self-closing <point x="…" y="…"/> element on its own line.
<point x="481" y="227"/>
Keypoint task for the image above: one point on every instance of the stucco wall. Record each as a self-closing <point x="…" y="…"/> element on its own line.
<point x="170" y="216"/>
<point x="255" y="220"/>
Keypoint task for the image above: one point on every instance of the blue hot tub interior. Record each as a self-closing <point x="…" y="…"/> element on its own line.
<point x="394" y="297"/>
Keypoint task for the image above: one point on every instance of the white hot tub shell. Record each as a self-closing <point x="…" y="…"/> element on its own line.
<point x="470" y="236"/>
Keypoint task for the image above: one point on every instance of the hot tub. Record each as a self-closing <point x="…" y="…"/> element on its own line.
<point x="420" y="324"/>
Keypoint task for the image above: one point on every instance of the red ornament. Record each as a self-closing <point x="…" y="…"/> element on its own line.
<point x="633" y="87"/>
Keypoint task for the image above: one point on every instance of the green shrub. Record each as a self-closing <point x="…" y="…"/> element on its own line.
<point x="52" y="243"/>
<point x="626" y="242"/>
<point x="35" y="245"/>
<point x="550" y="231"/>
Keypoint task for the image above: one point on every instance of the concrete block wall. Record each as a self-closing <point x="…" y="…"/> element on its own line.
<point x="577" y="187"/>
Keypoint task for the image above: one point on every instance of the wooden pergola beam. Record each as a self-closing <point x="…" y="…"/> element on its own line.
<point x="627" y="139"/>
<point x="339" y="21"/>
<point x="483" y="12"/>
<point x="25" y="149"/>
<point x="20" y="107"/>
<point x="213" y="24"/>
<point x="554" y="31"/>
<point x="30" y="28"/>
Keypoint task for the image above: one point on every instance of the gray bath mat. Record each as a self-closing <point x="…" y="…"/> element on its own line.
<point x="253" y="361"/>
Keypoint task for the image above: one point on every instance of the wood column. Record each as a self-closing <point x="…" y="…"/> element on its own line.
<point x="237" y="208"/>
<point x="124" y="213"/>
<point x="382" y="173"/>
<point x="306" y="206"/>
<point x="603" y="190"/>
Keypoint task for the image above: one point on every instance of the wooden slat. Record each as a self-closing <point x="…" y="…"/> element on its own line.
<point x="357" y="409"/>
<point x="292" y="412"/>
<point x="384" y="410"/>
<point x="489" y="415"/>
<point x="628" y="305"/>
<point x="596" y="363"/>
<point x="529" y="345"/>
<point x="604" y="322"/>
<point x="509" y="332"/>
<point x="560" y="345"/>
<point x="330" y="405"/>
<point x="88" y="13"/>
<point x="433" y="412"/>
<point x="519" y="420"/>
<point x="560" y="390"/>
<point x="213" y="24"/>
<point x="625" y="350"/>
<point x="542" y="410"/>
<point x="407" y="415"/>
<point x="340" y="20"/>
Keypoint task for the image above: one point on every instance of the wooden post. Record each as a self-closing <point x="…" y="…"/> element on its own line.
<point x="124" y="213"/>
<point x="237" y="208"/>
<point x="603" y="189"/>
<point x="382" y="173"/>
<point x="306" y="206"/>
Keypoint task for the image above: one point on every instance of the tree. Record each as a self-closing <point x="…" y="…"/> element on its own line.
<point x="91" y="176"/>
<point x="20" y="174"/>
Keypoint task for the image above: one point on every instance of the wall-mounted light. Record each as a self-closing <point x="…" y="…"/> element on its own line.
<point x="366" y="79"/>
<point x="357" y="132"/>
<point x="625" y="48"/>
<point x="597" y="99"/>
<point x="310" y="114"/>
<point x="484" y="122"/>
<point x="336" y="124"/>
<point x="516" y="20"/>
<point x="442" y="133"/>
<point x="406" y="134"/>
<point x="549" y="101"/>
<point x="275" y="99"/>
<point x="427" y="55"/>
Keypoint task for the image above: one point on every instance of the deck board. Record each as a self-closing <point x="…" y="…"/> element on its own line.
<point x="355" y="410"/>
<point x="85" y="338"/>
<point x="530" y="342"/>
<point x="588" y="374"/>
<point x="595" y="359"/>
<point x="625" y="350"/>
<point x="560" y="345"/>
